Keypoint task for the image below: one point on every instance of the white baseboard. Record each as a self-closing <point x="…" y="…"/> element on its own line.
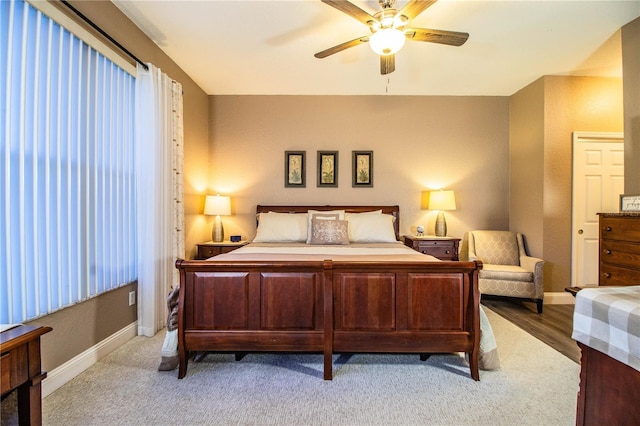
<point x="76" y="365"/>
<point x="559" y="298"/>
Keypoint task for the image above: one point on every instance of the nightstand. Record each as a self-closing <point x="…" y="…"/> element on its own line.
<point x="21" y="370"/>
<point x="444" y="248"/>
<point x="210" y="248"/>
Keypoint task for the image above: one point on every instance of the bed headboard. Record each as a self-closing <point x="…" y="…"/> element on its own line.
<point x="392" y="210"/>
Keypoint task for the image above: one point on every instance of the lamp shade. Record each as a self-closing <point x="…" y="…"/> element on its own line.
<point x="424" y="200"/>
<point x="442" y="200"/>
<point x="217" y="205"/>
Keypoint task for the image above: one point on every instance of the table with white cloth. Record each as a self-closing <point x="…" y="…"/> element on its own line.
<point x="606" y="325"/>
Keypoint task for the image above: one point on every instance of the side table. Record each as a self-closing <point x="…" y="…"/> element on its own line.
<point x="444" y="248"/>
<point x="211" y="248"/>
<point x="20" y="369"/>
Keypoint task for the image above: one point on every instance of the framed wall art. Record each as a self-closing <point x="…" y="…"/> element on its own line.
<point x="294" y="169"/>
<point x="630" y="203"/>
<point x="328" y="169"/>
<point x="362" y="169"/>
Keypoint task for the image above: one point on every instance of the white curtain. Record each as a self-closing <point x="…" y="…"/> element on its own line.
<point x="159" y="141"/>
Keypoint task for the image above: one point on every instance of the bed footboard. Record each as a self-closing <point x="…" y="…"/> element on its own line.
<point x="328" y="307"/>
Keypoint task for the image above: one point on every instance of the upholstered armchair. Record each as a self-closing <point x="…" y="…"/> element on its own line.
<point x="507" y="268"/>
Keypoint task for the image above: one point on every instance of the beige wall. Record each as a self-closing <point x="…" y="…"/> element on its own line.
<point x="631" y="75"/>
<point x="460" y="143"/>
<point x="455" y="142"/>
<point x="544" y="115"/>
<point x="79" y="327"/>
<point x="571" y="104"/>
<point x="527" y="165"/>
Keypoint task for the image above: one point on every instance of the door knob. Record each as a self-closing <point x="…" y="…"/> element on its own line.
<point x="580" y="231"/>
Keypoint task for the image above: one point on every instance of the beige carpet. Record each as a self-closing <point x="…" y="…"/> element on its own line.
<point x="536" y="385"/>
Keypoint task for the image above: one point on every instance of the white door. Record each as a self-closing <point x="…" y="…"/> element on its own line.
<point x="598" y="181"/>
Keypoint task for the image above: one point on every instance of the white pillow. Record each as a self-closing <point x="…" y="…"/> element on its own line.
<point x="371" y="228"/>
<point x="281" y="227"/>
<point x="324" y="215"/>
<point x="347" y="215"/>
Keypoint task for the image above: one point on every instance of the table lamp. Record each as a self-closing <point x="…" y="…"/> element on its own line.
<point x="441" y="200"/>
<point x="217" y="205"/>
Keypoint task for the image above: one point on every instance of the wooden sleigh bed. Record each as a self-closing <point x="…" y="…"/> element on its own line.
<point x="328" y="304"/>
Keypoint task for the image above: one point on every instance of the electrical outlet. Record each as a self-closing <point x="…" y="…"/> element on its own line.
<point x="132" y="298"/>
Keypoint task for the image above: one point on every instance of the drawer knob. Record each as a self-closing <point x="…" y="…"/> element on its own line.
<point x="607" y="251"/>
<point x="448" y="252"/>
<point x="607" y="275"/>
<point x="608" y="229"/>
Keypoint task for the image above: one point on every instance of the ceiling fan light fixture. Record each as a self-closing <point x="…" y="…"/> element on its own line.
<point x="387" y="21"/>
<point x="387" y="41"/>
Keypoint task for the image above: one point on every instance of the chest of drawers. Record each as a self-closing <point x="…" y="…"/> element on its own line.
<point x="619" y="249"/>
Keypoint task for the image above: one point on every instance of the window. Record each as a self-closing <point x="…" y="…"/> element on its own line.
<point x="66" y="168"/>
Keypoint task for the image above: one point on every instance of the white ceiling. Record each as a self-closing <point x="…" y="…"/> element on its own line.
<point x="266" y="47"/>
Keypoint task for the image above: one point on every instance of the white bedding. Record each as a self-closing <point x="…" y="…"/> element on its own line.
<point x="302" y="251"/>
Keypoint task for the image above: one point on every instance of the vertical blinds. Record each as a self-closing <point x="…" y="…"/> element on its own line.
<point x="67" y="180"/>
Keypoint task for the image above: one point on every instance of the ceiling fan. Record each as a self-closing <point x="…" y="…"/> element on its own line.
<point x="389" y="30"/>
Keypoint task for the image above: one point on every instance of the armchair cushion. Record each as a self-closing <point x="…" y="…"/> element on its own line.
<point x="496" y="247"/>
<point x="530" y="263"/>
<point x="505" y="272"/>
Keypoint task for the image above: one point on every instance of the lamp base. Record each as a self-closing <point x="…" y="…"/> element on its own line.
<point x="441" y="225"/>
<point x="217" y="235"/>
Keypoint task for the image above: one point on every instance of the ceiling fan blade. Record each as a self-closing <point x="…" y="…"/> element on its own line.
<point x="342" y="46"/>
<point x="415" y="7"/>
<point x="387" y="64"/>
<point x="451" y="38"/>
<point x="351" y="10"/>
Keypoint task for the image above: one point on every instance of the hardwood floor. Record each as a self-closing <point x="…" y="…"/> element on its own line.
<point x="554" y="326"/>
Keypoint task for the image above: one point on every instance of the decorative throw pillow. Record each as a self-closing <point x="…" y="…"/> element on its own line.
<point x="323" y="215"/>
<point x="329" y="231"/>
